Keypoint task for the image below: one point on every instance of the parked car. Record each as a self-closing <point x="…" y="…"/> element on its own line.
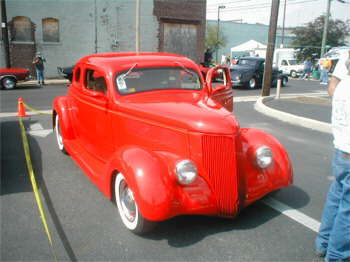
<point x="249" y="72"/>
<point x="66" y="72"/>
<point x="160" y="141"/>
<point x="10" y="76"/>
<point x="291" y="67"/>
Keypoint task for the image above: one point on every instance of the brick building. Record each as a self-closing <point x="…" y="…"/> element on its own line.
<point x="65" y="30"/>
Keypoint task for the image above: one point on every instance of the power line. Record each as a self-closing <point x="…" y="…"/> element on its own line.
<point x="250" y="7"/>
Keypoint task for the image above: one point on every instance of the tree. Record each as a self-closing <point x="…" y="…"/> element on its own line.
<point x="309" y="38"/>
<point x="211" y="39"/>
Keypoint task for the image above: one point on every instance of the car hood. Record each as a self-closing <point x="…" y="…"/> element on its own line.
<point x="186" y="110"/>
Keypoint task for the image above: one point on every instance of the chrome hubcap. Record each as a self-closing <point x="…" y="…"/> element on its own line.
<point x="9" y="84"/>
<point x="127" y="202"/>
<point x="252" y="83"/>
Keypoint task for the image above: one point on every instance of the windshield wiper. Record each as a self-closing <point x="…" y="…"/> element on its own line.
<point x="186" y="69"/>
<point x="130" y="70"/>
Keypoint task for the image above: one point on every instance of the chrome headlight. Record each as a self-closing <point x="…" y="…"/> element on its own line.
<point x="186" y="172"/>
<point x="264" y="156"/>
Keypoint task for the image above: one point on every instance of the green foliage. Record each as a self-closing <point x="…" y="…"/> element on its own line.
<point x="211" y="39"/>
<point x="309" y="38"/>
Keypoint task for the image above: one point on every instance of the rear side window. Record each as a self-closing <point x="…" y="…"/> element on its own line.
<point x="95" y="81"/>
<point x="77" y="75"/>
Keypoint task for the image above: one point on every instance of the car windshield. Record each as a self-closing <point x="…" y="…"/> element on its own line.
<point x="246" y="62"/>
<point x="293" y="62"/>
<point x="148" y="79"/>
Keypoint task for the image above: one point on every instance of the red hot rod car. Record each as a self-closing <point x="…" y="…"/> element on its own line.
<point x="10" y="76"/>
<point x="161" y="141"/>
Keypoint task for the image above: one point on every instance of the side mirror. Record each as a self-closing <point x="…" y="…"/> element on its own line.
<point x="214" y="72"/>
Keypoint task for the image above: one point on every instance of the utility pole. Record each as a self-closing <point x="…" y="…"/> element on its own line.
<point x="137" y="38"/>
<point x="5" y="34"/>
<point x="218" y="31"/>
<point x="325" y="27"/>
<point x="284" y="22"/>
<point x="270" y="48"/>
<point x="95" y="14"/>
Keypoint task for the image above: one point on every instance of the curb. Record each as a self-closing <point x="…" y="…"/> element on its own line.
<point x="290" y="118"/>
<point x="47" y="82"/>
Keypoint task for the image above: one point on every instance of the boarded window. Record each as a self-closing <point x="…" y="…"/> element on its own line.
<point x="22" y="29"/>
<point x="51" y="30"/>
<point x="181" y="39"/>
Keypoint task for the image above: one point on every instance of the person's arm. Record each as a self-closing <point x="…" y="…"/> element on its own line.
<point x="332" y="85"/>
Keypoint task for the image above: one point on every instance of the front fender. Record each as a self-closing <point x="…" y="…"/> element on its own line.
<point x="259" y="182"/>
<point x="148" y="178"/>
<point x="61" y="108"/>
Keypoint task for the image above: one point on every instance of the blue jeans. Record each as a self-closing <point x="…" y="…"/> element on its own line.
<point x="324" y="76"/>
<point x="334" y="235"/>
<point x="40" y="75"/>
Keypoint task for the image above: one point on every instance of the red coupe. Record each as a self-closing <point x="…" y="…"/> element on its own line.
<point x="10" y="76"/>
<point x="161" y="141"/>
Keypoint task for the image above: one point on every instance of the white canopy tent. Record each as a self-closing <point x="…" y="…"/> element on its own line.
<point x="250" y="47"/>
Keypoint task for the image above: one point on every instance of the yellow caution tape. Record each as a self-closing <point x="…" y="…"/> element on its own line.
<point x="36" y="111"/>
<point x="34" y="184"/>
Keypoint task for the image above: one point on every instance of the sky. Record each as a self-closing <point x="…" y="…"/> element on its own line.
<point x="298" y="12"/>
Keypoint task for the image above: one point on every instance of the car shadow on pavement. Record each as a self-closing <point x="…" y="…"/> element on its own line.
<point x="185" y="231"/>
<point x="15" y="177"/>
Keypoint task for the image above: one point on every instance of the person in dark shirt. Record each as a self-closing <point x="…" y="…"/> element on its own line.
<point x="38" y="62"/>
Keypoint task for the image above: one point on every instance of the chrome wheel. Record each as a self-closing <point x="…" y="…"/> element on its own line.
<point x="252" y="83"/>
<point x="59" y="138"/>
<point x="128" y="208"/>
<point x="8" y="83"/>
<point x="126" y="203"/>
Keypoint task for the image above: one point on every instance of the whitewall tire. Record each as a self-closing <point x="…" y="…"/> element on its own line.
<point x="59" y="137"/>
<point x="128" y="209"/>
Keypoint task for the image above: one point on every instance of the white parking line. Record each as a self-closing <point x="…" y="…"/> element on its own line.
<point x="292" y="213"/>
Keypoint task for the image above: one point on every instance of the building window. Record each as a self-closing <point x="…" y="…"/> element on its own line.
<point x="22" y="29"/>
<point x="50" y="30"/>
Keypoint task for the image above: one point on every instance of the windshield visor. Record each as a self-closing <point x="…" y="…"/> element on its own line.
<point x="148" y="79"/>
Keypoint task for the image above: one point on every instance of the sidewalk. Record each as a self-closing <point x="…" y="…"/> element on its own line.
<point x="312" y="112"/>
<point x="47" y="82"/>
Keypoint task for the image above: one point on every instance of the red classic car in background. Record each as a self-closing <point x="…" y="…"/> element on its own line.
<point x="161" y="141"/>
<point x="10" y="76"/>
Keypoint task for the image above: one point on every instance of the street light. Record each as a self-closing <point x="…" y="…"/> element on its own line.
<point x="218" y="29"/>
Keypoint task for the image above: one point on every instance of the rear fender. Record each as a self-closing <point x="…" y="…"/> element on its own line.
<point x="62" y="109"/>
<point x="149" y="179"/>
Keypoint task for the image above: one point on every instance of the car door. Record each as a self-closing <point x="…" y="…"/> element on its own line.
<point x="221" y="93"/>
<point x="94" y="123"/>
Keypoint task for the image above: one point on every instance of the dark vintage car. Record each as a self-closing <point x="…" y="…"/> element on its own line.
<point x="249" y="72"/>
<point x="66" y="72"/>
<point x="10" y="76"/>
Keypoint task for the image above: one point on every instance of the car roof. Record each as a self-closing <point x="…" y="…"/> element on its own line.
<point x="252" y="58"/>
<point x="114" y="62"/>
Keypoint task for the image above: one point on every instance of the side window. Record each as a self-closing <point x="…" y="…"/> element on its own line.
<point x="77" y="75"/>
<point x="95" y="81"/>
<point x="284" y="63"/>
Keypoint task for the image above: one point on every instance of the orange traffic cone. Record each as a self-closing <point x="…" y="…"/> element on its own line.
<point x="21" y="109"/>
